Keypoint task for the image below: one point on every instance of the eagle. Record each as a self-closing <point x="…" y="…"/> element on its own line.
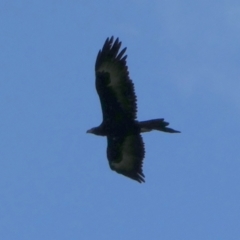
<point x="125" y="147"/>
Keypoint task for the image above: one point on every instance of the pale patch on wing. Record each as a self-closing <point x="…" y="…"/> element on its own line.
<point x="111" y="62"/>
<point x="132" y="153"/>
<point x="118" y="76"/>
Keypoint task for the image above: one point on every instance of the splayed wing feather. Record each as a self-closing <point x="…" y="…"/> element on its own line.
<point x="111" y="66"/>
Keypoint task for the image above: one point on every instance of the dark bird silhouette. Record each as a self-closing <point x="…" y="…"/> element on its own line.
<point x="125" y="147"/>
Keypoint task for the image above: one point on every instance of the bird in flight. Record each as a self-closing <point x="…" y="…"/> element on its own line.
<point x="125" y="147"/>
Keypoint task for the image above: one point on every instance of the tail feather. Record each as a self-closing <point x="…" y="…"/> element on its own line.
<point x="156" y="124"/>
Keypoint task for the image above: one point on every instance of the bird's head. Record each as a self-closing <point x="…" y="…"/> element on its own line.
<point x="97" y="131"/>
<point x="92" y="130"/>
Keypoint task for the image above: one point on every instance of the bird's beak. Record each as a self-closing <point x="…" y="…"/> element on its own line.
<point x="89" y="131"/>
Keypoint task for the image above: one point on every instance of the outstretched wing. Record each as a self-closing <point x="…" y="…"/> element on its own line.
<point x="125" y="155"/>
<point x="114" y="87"/>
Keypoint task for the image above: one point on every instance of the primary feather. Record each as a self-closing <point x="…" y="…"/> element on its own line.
<point x="112" y="80"/>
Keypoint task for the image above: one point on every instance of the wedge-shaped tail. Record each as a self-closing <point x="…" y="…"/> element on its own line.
<point x="156" y="124"/>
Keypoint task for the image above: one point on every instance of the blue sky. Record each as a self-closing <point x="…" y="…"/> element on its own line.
<point x="55" y="181"/>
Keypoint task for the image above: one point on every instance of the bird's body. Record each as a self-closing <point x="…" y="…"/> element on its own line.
<point x="125" y="150"/>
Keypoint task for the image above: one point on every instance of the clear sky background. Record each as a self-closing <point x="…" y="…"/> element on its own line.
<point x="55" y="182"/>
